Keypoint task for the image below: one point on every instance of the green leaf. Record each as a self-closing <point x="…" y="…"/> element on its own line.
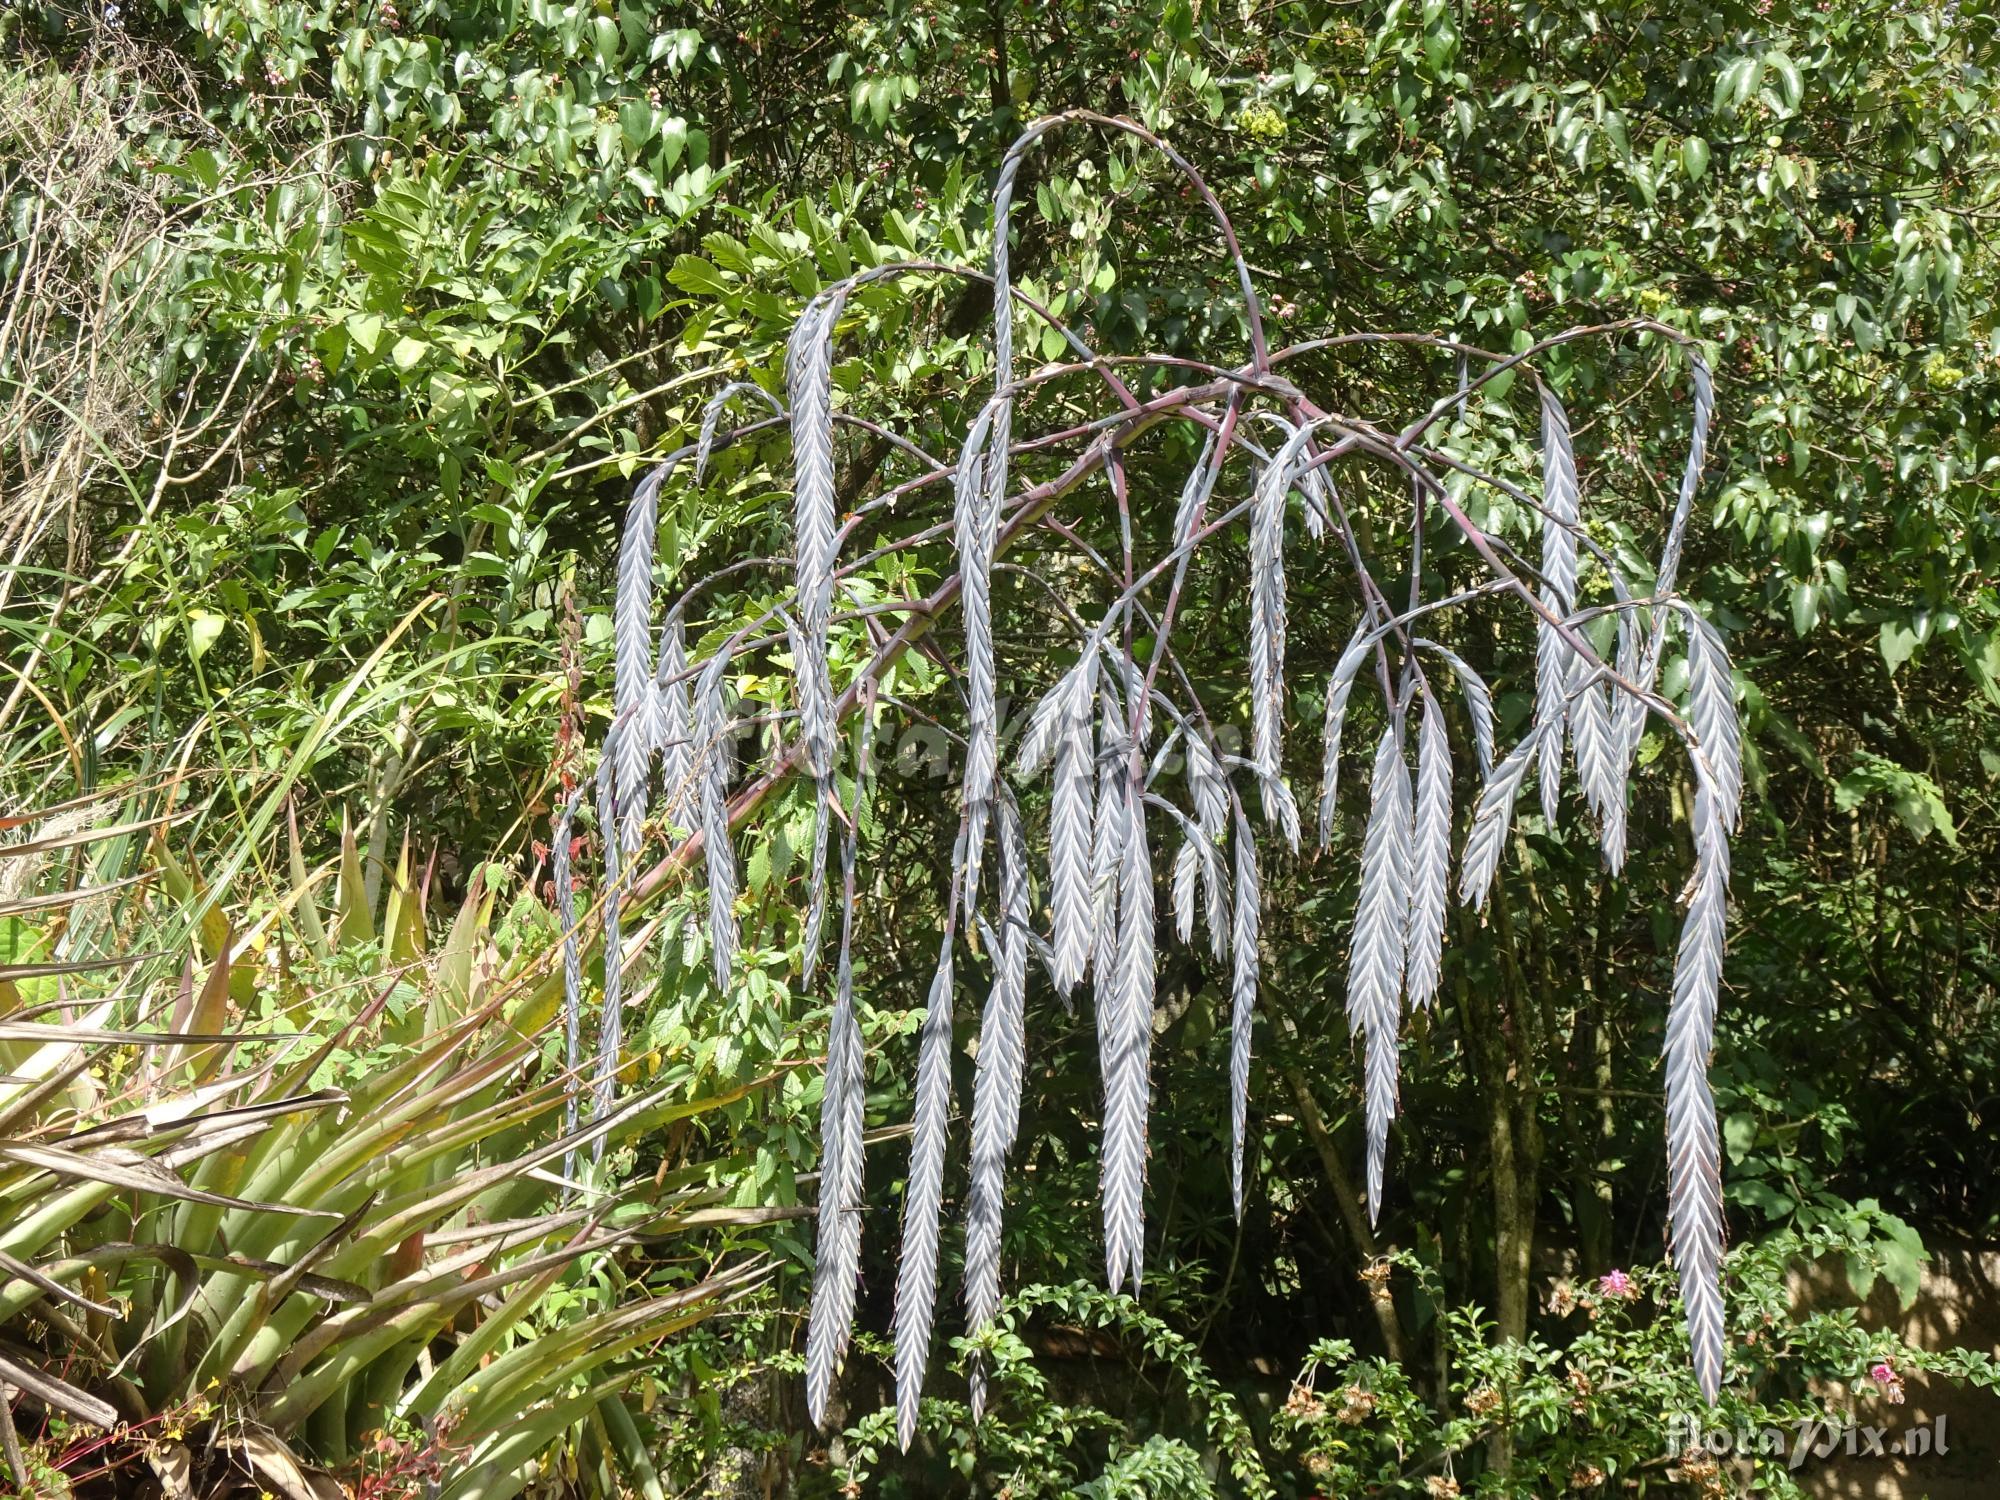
<point x="1739" y="1134"/>
<point x="693" y="274"/>
<point x="1694" y="157"/>
<point x="366" y="331"/>
<point x="1760" y="1195"/>
<point x="1734" y="83"/>
<point x="1917" y="799"/>
<point x="206" y="166"/>
<point x="1860" y="1274"/>
<point x="1805" y="606"/>
<point x="1899" y="642"/>
<point x="203" y="630"/>
<point x="1790" y="88"/>
<point x="408" y="352"/>
<point x="1903" y="1269"/>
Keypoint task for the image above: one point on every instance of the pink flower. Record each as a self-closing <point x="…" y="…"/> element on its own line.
<point x="1616" y="1284"/>
<point x="1884" y="1374"/>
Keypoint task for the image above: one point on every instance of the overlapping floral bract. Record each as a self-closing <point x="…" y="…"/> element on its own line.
<point x="1108" y="730"/>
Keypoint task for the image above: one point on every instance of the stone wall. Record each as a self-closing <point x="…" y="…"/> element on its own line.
<point x="1957" y="1305"/>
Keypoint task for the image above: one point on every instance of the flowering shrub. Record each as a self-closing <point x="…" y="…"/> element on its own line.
<point x="1028" y="1442"/>
<point x="1605" y="1396"/>
<point x="1601" y="1401"/>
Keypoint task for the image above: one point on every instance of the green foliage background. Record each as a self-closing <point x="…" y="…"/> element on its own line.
<point x="329" y="326"/>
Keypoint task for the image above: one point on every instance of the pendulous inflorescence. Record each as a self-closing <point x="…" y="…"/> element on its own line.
<point x="1137" y="764"/>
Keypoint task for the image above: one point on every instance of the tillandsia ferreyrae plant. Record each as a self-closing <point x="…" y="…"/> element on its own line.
<point x="1108" y="731"/>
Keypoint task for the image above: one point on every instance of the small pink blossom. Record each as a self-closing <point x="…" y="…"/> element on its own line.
<point x="1616" y="1284"/>
<point x="1884" y="1374"/>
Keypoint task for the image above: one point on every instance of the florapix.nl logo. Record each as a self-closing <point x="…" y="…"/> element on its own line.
<point x="1694" y="1444"/>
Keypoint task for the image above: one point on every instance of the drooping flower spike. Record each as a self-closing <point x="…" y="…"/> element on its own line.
<point x="1074" y="870"/>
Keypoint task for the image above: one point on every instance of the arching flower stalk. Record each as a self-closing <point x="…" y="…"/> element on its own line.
<point x="1076" y="863"/>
